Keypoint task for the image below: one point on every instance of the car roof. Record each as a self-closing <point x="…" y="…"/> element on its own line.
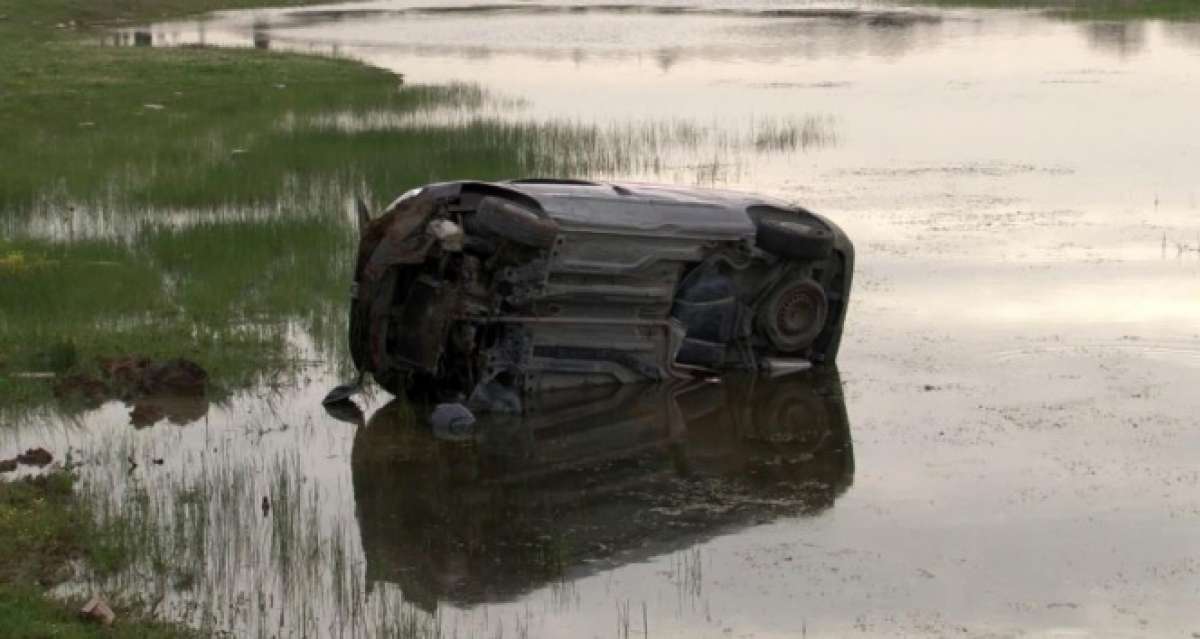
<point x="550" y="189"/>
<point x="646" y="207"/>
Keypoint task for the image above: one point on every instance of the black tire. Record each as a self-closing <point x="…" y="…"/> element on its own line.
<point x="797" y="240"/>
<point x="794" y="315"/>
<point x="514" y="222"/>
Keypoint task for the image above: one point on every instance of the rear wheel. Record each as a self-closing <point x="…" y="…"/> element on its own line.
<point x="794" y="315"/>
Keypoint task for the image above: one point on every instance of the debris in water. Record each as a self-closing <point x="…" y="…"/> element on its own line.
<point x="1068" y="604"/>
<point x="452" y="421"/>
<point x="266" y="506"/>
<point x="96" y="609"/>
<point x="8" y="465"/>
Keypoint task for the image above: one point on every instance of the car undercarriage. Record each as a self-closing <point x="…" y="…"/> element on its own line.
<point x="484" y="293"/>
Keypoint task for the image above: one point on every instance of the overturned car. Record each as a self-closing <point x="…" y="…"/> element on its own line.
<point x="488" y="292"/>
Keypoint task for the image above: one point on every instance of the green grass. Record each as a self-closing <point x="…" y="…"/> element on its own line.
<point x="1090" y="9"/>
<point x="44" y="527"/>
<point x="221" y="294"/>
<point x="26" y="613"/>
<point x="40" y="527"/>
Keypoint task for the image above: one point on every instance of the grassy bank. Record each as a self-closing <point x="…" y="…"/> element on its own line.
<point x="1090" y="9"/>
<point x="44" y="527"/>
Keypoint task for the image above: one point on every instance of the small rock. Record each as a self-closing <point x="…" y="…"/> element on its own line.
<point x="266" y="506"/>
<point x="35" y="457"/>
<point x="97" y="610"/>
<point x="153" y="107"/>
<point x="238" y="152"/>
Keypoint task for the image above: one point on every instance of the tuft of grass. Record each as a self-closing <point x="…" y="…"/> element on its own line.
<point x="40" y="527"/>
<point x="44" y="527"/>
<point x="26" y="613"/>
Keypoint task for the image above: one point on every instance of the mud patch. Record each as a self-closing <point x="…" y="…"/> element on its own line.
<point x="171" y="389"/>
<point x="39" y="457"/>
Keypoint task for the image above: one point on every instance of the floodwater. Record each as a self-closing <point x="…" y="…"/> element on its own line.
<point x="1009" y="447"/>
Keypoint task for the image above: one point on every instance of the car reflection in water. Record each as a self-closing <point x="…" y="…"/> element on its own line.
<point x="590" y="479"/>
